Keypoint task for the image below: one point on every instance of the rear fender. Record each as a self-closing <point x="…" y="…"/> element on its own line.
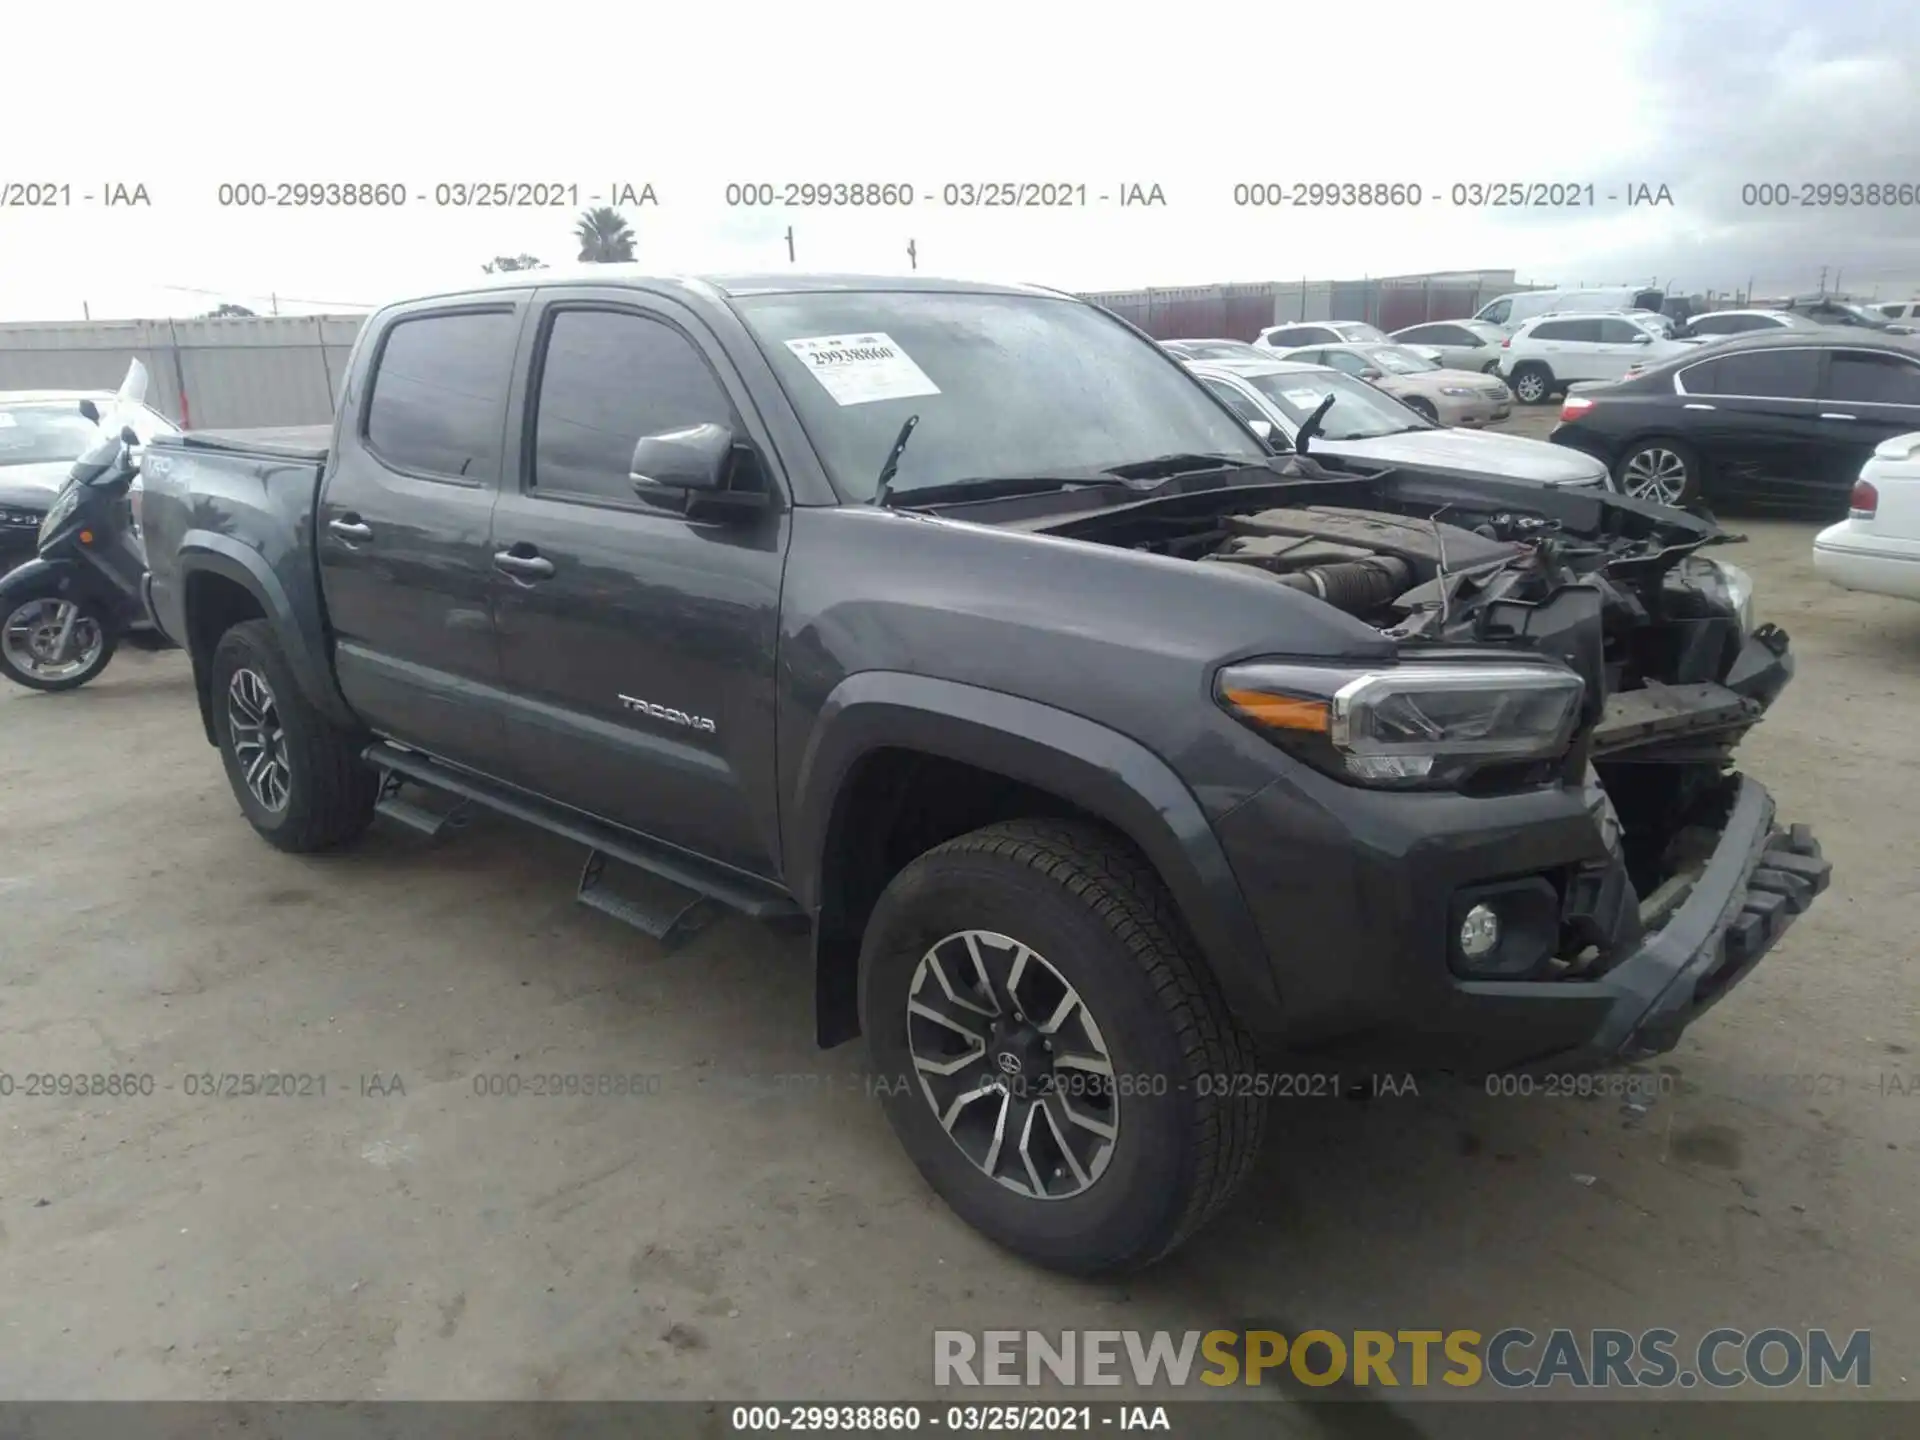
<point x="203" y="552"/>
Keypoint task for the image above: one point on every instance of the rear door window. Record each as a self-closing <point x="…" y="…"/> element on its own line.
<point x="1868" y="377"/>
<point x="439" y="394"/>
<point x="1619" y="332"/>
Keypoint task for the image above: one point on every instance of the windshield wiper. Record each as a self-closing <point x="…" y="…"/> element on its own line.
<point x="1180" y="463"/>
<point x="1310" y="426"/>
<point x="988" y="487"/>
<point x="883" y="487"/>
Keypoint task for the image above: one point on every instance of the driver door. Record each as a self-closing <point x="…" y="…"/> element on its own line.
<point x="638" y="647"/>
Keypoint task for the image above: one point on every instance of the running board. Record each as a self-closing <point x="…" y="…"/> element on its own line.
<point x="749" y="894"/>
<point x="428" y="822"/>
<point x="668" y="912"/>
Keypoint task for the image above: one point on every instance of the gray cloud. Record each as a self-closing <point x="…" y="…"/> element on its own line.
<point x="1775" y="92"/>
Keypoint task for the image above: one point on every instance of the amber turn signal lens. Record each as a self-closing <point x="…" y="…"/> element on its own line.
<point x="1283" y="712"/>
<point x="86" y="537"/>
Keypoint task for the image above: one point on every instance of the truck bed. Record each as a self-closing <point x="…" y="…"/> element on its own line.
<point x="283" y="442"/>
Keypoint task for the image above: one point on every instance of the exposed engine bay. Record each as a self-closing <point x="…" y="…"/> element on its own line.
<point x="1614" y="588"/>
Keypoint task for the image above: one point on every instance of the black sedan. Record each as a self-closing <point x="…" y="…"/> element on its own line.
<point x="1782" y="416"/>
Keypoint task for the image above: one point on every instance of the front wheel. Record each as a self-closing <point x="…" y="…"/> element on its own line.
<point x="1661" y="470"/>
<point x="49" y="642"/>
<point x="1056" y="1058"/>
<point x="299" y="778"/>
<point x="1531" y="384"/>
<point x="1423" y="408"/>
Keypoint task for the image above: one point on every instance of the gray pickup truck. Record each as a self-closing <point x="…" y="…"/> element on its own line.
<point x="1129" y="776"/>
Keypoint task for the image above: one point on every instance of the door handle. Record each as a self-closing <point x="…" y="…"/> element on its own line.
<point x="1693" y="406"/>
<point x="1832" y="415"/>
<point x="529" y="567"/>
<point x="350" y="529"/>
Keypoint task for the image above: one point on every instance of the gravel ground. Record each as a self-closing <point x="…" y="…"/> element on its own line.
<point x="746" y="1226"/>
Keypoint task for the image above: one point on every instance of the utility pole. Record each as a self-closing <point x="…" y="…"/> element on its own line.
<point x="86" y="310"/>
<point x="1823" y="279"/>
<point x="913" y="255"/>
<point x="273" y="303"/>
<point x="1836" y="282"/>
<point x="789" y="244"/>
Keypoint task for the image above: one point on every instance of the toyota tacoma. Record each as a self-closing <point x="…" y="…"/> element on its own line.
<point x="1105" y="752"/>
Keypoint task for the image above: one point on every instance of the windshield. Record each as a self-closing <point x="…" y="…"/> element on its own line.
<point x="1004" y="385"/>
<point x="1359" y="411"/>
<point x="1398" y="359"/>
<point x="1358" y="330"/>
<point x="43" y="432"/>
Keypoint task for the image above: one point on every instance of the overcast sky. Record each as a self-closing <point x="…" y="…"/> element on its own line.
<point x="1701" y="96"/>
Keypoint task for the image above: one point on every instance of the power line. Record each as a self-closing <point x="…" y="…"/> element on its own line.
<point x="244" y="295"/>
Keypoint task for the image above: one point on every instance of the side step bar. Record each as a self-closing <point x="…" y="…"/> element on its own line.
<point x="672" y="905"/>
<point x="430" y="823"/>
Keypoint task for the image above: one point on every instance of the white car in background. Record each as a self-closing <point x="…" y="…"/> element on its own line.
<point x="1547" y="355"/>
<point x="1461" y="344"/>
<point x="1303" y="334"/>
<point x="1877" y="547"/>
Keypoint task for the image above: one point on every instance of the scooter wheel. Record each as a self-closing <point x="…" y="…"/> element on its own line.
<point x="29" y="635"/>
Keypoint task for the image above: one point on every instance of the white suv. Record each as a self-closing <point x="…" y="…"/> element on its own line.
<point x="1546" y="355"/>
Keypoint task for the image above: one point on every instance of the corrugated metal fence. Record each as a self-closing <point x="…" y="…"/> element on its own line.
<point x="1240" y="312"/>
<point x="228" y="373"/>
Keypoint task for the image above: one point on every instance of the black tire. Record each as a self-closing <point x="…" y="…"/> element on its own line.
<point x="330" y="792"/>
<point x="1423" y="408"/>
<point x="1492" y="367"/>
<point x="109" y="642"/>
<point x="1645" y="454"/>
<point x="1532" y="383"/>
<point x="1095" y="912"/>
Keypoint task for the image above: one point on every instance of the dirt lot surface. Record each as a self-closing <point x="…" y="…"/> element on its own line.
<point x="746" y="1226"/>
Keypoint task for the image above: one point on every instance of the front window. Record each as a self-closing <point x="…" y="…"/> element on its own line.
<point x="1496" y="313"/>
<point x="1397" y="360"/>
<point x="44" y="432"/>
<point x="1004" y="385"/>
<point x="1357" y="330"/>
<point x="1358" y="412"/>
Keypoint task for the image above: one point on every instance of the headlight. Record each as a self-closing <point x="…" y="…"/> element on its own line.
<point x="1725" y="585"/>
<point x="1418" y="726"/>
<point x="1468" y="391"/>
<point x="64" y="504"/>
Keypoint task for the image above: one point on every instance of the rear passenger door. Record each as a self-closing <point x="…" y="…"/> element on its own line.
<point x="641" y="664"/>
<point x="403" y="521"/>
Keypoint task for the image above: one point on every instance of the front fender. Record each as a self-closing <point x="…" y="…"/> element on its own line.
<point x="37" y="577"/>
<point x="1095" y="768"/>
<point x="204" y="552"/>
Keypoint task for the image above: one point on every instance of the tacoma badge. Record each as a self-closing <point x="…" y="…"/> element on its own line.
<point x="675" y="717"/>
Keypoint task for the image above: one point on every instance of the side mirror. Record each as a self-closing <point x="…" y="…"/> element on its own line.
<point x="694" y="461"/>
<point x="1643" y="338"/>
<point x="90" y="410"/>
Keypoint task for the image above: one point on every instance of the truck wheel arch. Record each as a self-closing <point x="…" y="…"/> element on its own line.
<point x="1085" y="767"/>
<point x="215" y="572"/>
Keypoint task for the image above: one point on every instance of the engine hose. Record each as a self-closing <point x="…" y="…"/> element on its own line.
<point x="1355" y="586"/>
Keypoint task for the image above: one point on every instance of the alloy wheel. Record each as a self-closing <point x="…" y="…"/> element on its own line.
<point x="51" y="639"/>
<point x="259" y="739"/>
<point x="1656" y="474"/>
<point x="1013" y="1065"/>
<point x="1529" y="386"/>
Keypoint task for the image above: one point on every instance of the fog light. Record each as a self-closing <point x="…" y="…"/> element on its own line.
<point x="1480" y="932"/>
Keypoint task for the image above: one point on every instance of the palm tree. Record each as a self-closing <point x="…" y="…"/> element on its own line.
<point x="604" y="236"/>
<point x="509" y="263"/>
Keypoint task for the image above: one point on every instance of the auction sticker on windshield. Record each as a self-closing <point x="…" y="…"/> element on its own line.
<point x="1306" y="399"/>
<point x="856" y="369"/>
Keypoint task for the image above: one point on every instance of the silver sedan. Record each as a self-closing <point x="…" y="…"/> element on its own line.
<point x="1458" y="344"/>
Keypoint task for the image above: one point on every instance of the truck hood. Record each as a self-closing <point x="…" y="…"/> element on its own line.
<point x="1472" y="452"/>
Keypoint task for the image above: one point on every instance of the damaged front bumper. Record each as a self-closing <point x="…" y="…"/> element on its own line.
<point x="1758" y="881"/>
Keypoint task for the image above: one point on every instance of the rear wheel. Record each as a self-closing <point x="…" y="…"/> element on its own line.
<point x="1532" y="383"/>
<point x="49" y="642"/>
<point x="298" y="777"/>
<point x="1057" y="1061"/>
<point x="1660" y="469"/>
